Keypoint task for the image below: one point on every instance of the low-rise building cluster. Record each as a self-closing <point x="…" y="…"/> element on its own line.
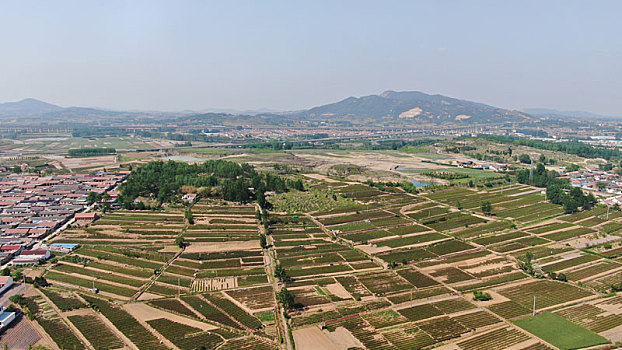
<point x="596" y="180"/>
<point x="32" y="207"/>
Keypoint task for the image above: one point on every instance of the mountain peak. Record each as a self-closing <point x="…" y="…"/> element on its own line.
<point x="27" y="106"/>
<point x="415" y="106"/>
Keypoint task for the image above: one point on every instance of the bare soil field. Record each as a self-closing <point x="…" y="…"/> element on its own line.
<point x="145" y="312"/>
<point x="313" y="338"/>
<point x="102" y="161"/>
<point x="217" y="247"/>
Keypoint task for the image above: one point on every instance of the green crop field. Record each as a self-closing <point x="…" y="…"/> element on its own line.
<point x="548" y="326"/>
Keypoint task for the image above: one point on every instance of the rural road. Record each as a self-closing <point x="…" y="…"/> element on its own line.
<point x="275" y="285"/>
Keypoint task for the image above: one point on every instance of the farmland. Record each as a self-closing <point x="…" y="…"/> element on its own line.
<point x="379" y="268"/>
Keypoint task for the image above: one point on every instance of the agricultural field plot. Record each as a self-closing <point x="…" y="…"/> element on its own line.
<point x="255" y="299"/>
<point x="605" y="282"/>
<point x="63" y="142"/>
<point x="517" y="203"/>
<point x="389" y="270"/>
<point x="233" y="311"/>
<point x="41" y="312"/>
<point x="211" y="313"/>
<point x="483" y="229"/>
<point x="130" y="227"/>
<point x="548" y="325"/>
<point x="64" y="300"/>
<point x="547" y="293"/>
<point x="96" y="332"/>
<point x="471" y="269"/>
<point x="223" y="251"/>
<point x="570" y="261"/>
<point x="359" y="192"/>
<point x="183" y="336"/>
<point x="120" y="252"/>
<point x="61" y="334"/>
<point x="591" y="317"/>
<point x="316" y="199"/>
<point x="500" y="338"/>
<point x="308" y="255"/>
<point x="592" y="270"/>
<point x="146" y="328"/>
<point x="115" y="271"/>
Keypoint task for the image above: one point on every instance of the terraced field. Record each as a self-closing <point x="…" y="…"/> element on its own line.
<point x="390" y="270"/>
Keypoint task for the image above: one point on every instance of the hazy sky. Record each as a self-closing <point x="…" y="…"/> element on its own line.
<point x="176" y="55"/>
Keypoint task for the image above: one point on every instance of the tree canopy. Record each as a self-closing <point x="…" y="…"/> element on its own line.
<point x="163" y="181"/>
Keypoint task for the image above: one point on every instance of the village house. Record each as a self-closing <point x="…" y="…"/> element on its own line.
<point x="5" y="283"/>
<point x="83" y="219"/>
<point x="6" y="318"/>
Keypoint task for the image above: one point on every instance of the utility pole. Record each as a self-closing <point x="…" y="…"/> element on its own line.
<point x="608" y="212"/>
<point x="531" y="171"/>
<point x="534" y="305"/>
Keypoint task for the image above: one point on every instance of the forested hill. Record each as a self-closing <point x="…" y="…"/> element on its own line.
<point x="412" y="106"/>
<point x="163" y="182"/>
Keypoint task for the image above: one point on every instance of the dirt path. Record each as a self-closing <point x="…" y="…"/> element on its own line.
<point x="270" y="263"/>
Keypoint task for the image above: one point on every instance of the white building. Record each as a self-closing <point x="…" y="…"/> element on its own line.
<point x="5" y="283"/>
<point x="6" y="318"/>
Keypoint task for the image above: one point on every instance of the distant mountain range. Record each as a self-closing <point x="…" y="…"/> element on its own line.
<point x="553" y="113"/>
<point x="389" y="108"/>
<point x="32" y="111"/>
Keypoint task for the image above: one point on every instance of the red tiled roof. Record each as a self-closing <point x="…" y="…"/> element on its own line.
<point x="34" y="252"/>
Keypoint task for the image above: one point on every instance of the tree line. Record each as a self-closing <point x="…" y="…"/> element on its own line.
<point x="558" y="190"/>
<point x="571" y="147"/>
<point x="91" y="151"/>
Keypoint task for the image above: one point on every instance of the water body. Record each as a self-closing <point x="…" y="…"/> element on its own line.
<point x="420" y="183"/>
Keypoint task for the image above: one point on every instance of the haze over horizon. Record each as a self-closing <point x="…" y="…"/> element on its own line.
<point x="191" y="55"/>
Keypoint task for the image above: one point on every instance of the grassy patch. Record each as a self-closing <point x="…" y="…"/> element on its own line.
<point x="548" y="325"/>
<point x="266" y="317"/>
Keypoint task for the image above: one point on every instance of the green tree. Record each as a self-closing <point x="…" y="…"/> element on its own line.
<point x="280" y="273"/>
<point x="555" y="194"/>
<point x="524" y="158"/>
<point x="286" y="298"/>
<point x="17" y="299"/>
<point x="263" y="241"/>
<point x="261" y="199"/>
<point x="486" y="207"/>
<point x="189" y="217"/>
<point x="18" y="275"/>
<point x="481" y="296"/>
<point x="93" y="198"/>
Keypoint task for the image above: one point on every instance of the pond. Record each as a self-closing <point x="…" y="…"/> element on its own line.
<point x="420" y="183"/>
